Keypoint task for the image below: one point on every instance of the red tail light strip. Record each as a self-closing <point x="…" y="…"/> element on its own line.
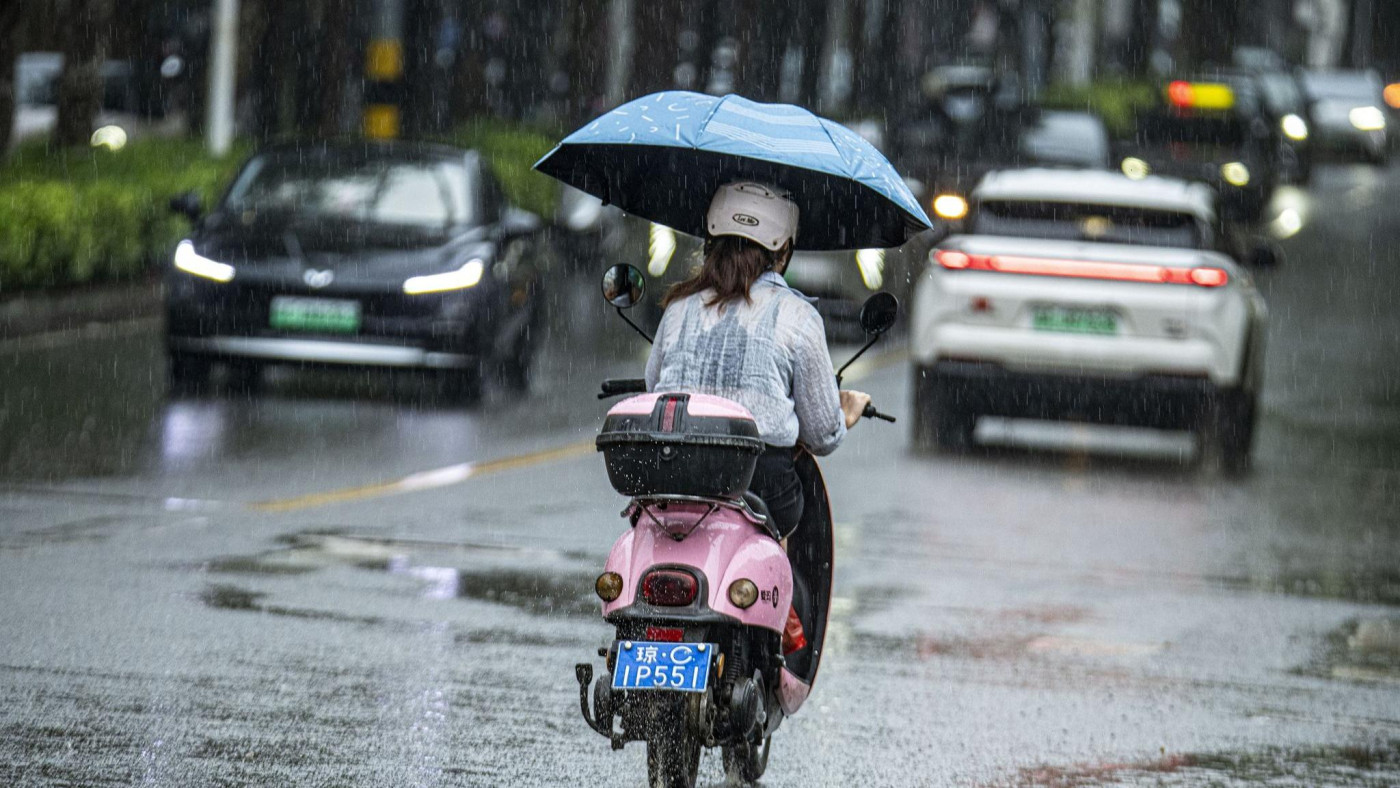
<point x="1082" y="269"/>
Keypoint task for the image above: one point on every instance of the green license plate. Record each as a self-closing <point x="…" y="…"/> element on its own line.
<point x="322" y="315"/>
<point x="1074" y="320"/>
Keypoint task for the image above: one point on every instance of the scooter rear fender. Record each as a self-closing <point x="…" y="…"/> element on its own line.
<point x="722" y="546"/>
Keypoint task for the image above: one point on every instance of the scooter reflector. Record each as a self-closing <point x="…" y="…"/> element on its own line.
<point x="679" y="667"/>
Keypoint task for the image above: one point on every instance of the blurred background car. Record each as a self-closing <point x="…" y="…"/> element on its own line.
<point x="1285" y="105"/>
<point x="973" y="123"/>
<point x="1347" y="108"/>
<point x="1211" y="130"/>
<point x="1091" y="296"/>
<point x="388" y="255"/>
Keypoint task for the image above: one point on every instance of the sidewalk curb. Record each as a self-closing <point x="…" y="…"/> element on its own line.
<point x="30" y="313"/>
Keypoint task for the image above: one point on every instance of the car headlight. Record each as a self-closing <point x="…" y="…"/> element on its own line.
<point x="950" y="206"/>
<point x="1235" y="174"/>
<point x="1135" y="168"/>
<point x="1294" y="127"/>
<point x="1367" y="118"/>
<point x="466" y="276"/>
<point x="192" y="262"/>
<point x="661" y="247"/>
<point x="871" y="263"/>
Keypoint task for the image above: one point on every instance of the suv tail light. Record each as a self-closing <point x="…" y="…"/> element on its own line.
<point x="1203" y="276"/>
<point x="669" y="588"/>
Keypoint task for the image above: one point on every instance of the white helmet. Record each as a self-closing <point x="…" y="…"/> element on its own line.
<point x="762" y="214"/>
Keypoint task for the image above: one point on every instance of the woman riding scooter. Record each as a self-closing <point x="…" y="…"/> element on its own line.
<point x="736" y="330"/>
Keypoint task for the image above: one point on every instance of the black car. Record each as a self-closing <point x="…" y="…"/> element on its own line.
<point x="1212" y="130"/>
<point x="949" y="152"/>
<point x="385" y="255"/>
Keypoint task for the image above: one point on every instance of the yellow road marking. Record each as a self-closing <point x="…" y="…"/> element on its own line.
<point x="426" y="480"/>
<point x="449" y="475"/>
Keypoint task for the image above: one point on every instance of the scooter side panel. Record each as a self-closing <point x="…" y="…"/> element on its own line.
<point x="620" y="561"/>
<point x="724" y="547"/>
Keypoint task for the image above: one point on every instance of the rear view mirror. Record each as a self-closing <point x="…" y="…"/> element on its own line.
<point x="878" y="313"/>
<point x="623" y="286"/>
<point x="187" y="204"/>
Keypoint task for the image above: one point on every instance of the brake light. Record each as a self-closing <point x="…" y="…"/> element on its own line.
<point x="1082" y="269"/>
<point x="1209" y="277"/>
<point x="1200" y="95"/>
<point x="954" y="260"/>
<point x="1179" y="93"/>
<point x="665" y="634"/>
<point x="669" y="588"/>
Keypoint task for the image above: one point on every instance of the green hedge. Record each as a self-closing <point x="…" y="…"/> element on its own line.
<point x="70" y="217"/>
<point x="92" y="215"/>
<point x="512" y="151"/>
<point x="1116" y="101"/>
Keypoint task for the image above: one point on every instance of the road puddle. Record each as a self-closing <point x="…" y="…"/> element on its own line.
<point x="1364" y="650"/>
<point x="537" y="581"/>
<point x="1369" y="585"/>
<point x="1362" y="766"/>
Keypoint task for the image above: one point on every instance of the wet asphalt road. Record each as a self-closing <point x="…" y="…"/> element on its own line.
<point x="340" y="582"/>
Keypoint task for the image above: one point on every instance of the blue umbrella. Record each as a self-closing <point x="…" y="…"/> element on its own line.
<point x="662" y="156"/>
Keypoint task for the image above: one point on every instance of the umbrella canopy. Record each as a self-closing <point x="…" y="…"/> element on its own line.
<point x="662" y="156"/>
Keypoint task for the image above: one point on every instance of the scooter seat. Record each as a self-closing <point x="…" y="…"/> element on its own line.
<point x="757" y="505"/>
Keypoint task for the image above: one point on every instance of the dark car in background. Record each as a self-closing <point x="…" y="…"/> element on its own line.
<point x="1212" y="130"/>
<point x="950" y="147"/>
<point x="382" y="255"/>
<point x="1286" y="107"/>
<point x="1348" y="108"/>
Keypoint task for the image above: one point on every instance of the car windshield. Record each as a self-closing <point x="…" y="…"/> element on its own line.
<point x="1009" y="138"/>
<point x="1087" y="222"/>
<point x="415" y="194"/>
<point x="1281" y="93"/>
<point x="1353" y="85"/>
<point x="1067" y="138"/>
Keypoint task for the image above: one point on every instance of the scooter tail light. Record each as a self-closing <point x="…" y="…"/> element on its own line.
<point x="665" y="634"/>
<point x="669" y="588"/>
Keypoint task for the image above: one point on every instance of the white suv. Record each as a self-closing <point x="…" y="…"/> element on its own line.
<point x="1089" y="295"/>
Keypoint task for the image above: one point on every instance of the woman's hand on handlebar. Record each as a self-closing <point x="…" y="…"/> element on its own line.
<point x="853" y="404"/>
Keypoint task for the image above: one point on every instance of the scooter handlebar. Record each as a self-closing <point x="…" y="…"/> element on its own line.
<point x="871" y="413"/>
<point x="615" y="386"/>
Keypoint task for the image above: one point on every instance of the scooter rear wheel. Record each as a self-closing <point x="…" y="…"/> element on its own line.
<point x="746" y="763"/>
<point x="673" y="758"/>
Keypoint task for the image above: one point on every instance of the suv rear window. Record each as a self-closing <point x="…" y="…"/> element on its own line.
<point x="1088" y="222"/>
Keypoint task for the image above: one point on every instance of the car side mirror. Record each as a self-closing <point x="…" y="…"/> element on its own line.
<point x="1264" y="255"/>
<point x="187" y="204"/>
<point x="878" y="313"/>
<point x="623" y="286"/>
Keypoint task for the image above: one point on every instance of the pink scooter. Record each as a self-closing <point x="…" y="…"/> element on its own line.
<point x="699" y="587"/>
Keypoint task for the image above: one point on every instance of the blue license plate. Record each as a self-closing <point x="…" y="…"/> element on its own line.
<point x="680" y="667"/>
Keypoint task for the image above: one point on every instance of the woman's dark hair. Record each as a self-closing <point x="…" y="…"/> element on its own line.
<point x="731" y="266"/>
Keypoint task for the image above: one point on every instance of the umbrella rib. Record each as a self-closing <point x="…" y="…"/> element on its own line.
<point x="699" y="130"/>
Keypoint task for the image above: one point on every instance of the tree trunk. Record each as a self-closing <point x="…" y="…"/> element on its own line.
<point x="334" y="67"/>
<point x="1205" y="36"/>
<point x="585" y="62"/>
<point x="813" y="34"/>
<point x="80" y="82"/>
<point x="758" y="65"/>
<point x="657" y="52"/>
<point x="9" y="50"/>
